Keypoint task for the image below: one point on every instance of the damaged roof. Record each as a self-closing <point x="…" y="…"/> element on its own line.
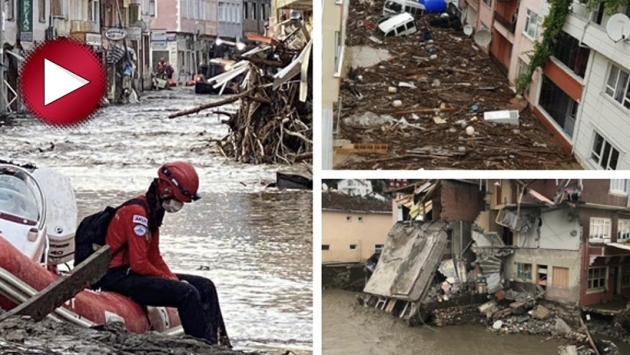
<point x="336" y="202"/>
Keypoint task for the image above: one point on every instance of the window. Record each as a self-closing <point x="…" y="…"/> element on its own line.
<point x="245" y="10"/>
<point x="360" y="219"/>
<point x="348" y="218"/>
<point x="531" y="25"/>
<point x="353" y="246"/>
<point x="619" y="186"/>
<point x="597" y="278"/>
<point x="134" y="13"/>
<point x="151" y="7"/>
<point x="604" y="154"/>
<point x="41" y="10"/>
<point x="263" y="14"/>
<point x="338" y="52"/>
<point x="9" y="10"/>
<point x="625" y="275"/>
<point x="93" y="11"/>
<point x="560" y="277"/>
<point x="378" y="248"/>
<point x="325" y="247"/>
<point x="558" y="105"/>
<point x="58" y="8"/>
<point x="524" y="271"/>
<point x="568" y="51"/>
<point x="254" y="11"/>
<point x="600" y="229"/>
<point x="488" y="3"/>
<point x="617" y="86"/>
<point x="623" y="230"/>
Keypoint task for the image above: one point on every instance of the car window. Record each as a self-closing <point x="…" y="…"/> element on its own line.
<point x="390" y="33"/>
<point x="400" y="29"/>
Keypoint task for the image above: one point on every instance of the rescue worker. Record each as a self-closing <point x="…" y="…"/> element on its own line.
<point x="138" y="270"/>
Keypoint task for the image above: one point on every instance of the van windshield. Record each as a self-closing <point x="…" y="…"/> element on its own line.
<point x="393" y="6"/>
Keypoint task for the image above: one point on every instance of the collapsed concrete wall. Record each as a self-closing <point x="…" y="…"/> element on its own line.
<point x="346" y="277"/>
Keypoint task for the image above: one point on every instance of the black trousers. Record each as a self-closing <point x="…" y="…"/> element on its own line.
<point x="196" y="301"/>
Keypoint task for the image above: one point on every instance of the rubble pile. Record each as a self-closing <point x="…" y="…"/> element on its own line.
<point x="23" y="336"/>
<point x="271" y="126"/>
<point x="456" y="316"/>
<point x="427" y="102"/>
<point x="274" y="121"/>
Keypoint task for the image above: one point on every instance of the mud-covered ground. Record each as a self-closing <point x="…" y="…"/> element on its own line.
<point x="22" y="336"/>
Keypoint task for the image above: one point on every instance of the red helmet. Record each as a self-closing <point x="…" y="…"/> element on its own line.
<point x="182" y="178"/>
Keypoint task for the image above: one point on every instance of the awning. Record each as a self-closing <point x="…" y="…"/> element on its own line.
<point x="625" y="246"/>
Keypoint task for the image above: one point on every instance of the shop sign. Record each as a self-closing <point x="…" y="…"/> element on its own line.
<point x="115" y="34"/>
<point x="93" y="39"/>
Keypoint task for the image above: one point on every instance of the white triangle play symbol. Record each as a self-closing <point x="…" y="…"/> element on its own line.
<point x="59" y="82"/>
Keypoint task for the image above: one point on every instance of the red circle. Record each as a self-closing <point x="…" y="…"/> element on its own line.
<point x="75" y="107"/>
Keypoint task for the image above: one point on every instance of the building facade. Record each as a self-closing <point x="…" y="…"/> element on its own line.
<point x="353" y="228"/>
<point x="335" y="15"/>
<point x="581" y="93"/>
<point x="183" y="33"/>
<point x="355" y="187"/>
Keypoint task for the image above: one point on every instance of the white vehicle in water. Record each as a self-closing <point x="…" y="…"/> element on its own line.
<point x="38" y="213"/>
<point x="393" y="7"/>
<point x="398" y="25"/>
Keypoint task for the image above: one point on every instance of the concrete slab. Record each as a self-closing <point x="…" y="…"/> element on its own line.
<point x="409" y="261"/>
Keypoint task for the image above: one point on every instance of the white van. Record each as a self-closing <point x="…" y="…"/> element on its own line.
<point x="397" y="25"/>
<point x="393" y="7"/>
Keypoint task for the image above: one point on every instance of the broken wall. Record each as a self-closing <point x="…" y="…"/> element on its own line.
<point x="460" y="201"/>
<point x="486" y="220"/>
<point x="349" y="276"/>
<point x="504" y="194"/>
<point x="557" y="229"/>
<point x="409" y="260"/>
<point x="567" y="263"/>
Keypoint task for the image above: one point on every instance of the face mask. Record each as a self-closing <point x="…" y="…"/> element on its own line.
<point x="172" y="205"/>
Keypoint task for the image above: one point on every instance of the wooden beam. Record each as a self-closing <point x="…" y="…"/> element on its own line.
<point x="67" y="286"/>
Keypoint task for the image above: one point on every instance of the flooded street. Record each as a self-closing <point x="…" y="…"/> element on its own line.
<point x="255" y="245"/>
<point x="350" y="329"/>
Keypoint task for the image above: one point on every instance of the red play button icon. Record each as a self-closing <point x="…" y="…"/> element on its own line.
<point x="63" y="82"/>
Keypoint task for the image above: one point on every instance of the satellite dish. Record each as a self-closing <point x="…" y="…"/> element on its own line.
<point x="618" y="28"/>
<point x="468" y="30"/>
<point x="483" y="38"/>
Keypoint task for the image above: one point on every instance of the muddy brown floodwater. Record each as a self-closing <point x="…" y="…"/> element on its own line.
<point x="255" y="244"/>
<point x="350" y="329"/>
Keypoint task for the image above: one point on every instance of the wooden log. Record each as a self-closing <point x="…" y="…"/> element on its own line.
<point x="229" y="100"/>
<point x="426" y="110"/>
<point x="67" y="286"/>
<point x="590" y="340"/>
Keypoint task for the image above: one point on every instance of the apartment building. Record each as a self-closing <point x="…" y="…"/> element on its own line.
<point x="569" y="238"/>
<point x="256" y="15"/>
<point x="581" y="94"/>
<point x="335" y="14"/>
<point x="355" y="187"/>
<point x="184" y="31"/>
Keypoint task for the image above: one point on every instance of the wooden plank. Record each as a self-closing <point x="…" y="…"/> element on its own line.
<point x="67" y="286"/>
<point x="367" y="148"/>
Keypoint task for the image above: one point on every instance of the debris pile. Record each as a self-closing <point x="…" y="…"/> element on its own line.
<point x="435" y="102"/>
<point x="23" y="336"/>
<point x="274" y="121"/>
<point x="458" y="315"/>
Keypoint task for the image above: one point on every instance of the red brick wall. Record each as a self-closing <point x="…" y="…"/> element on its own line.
<point x="595" y="191"/>
<point x="460" y="201"/>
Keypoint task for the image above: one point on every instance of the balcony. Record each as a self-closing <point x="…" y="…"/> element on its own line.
<point x="509" y="25"/>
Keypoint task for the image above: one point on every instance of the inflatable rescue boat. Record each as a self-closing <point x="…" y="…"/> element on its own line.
<point x="38" y="219"/>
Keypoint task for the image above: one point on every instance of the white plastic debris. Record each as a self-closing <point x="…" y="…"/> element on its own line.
<point x="391" y="90"/>
<point x="397" y="103"/>
<point x="470" y="130"/>
<point x="497" y="325"/>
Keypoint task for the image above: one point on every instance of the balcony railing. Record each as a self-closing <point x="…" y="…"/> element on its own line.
<point x="509" y="25"/>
